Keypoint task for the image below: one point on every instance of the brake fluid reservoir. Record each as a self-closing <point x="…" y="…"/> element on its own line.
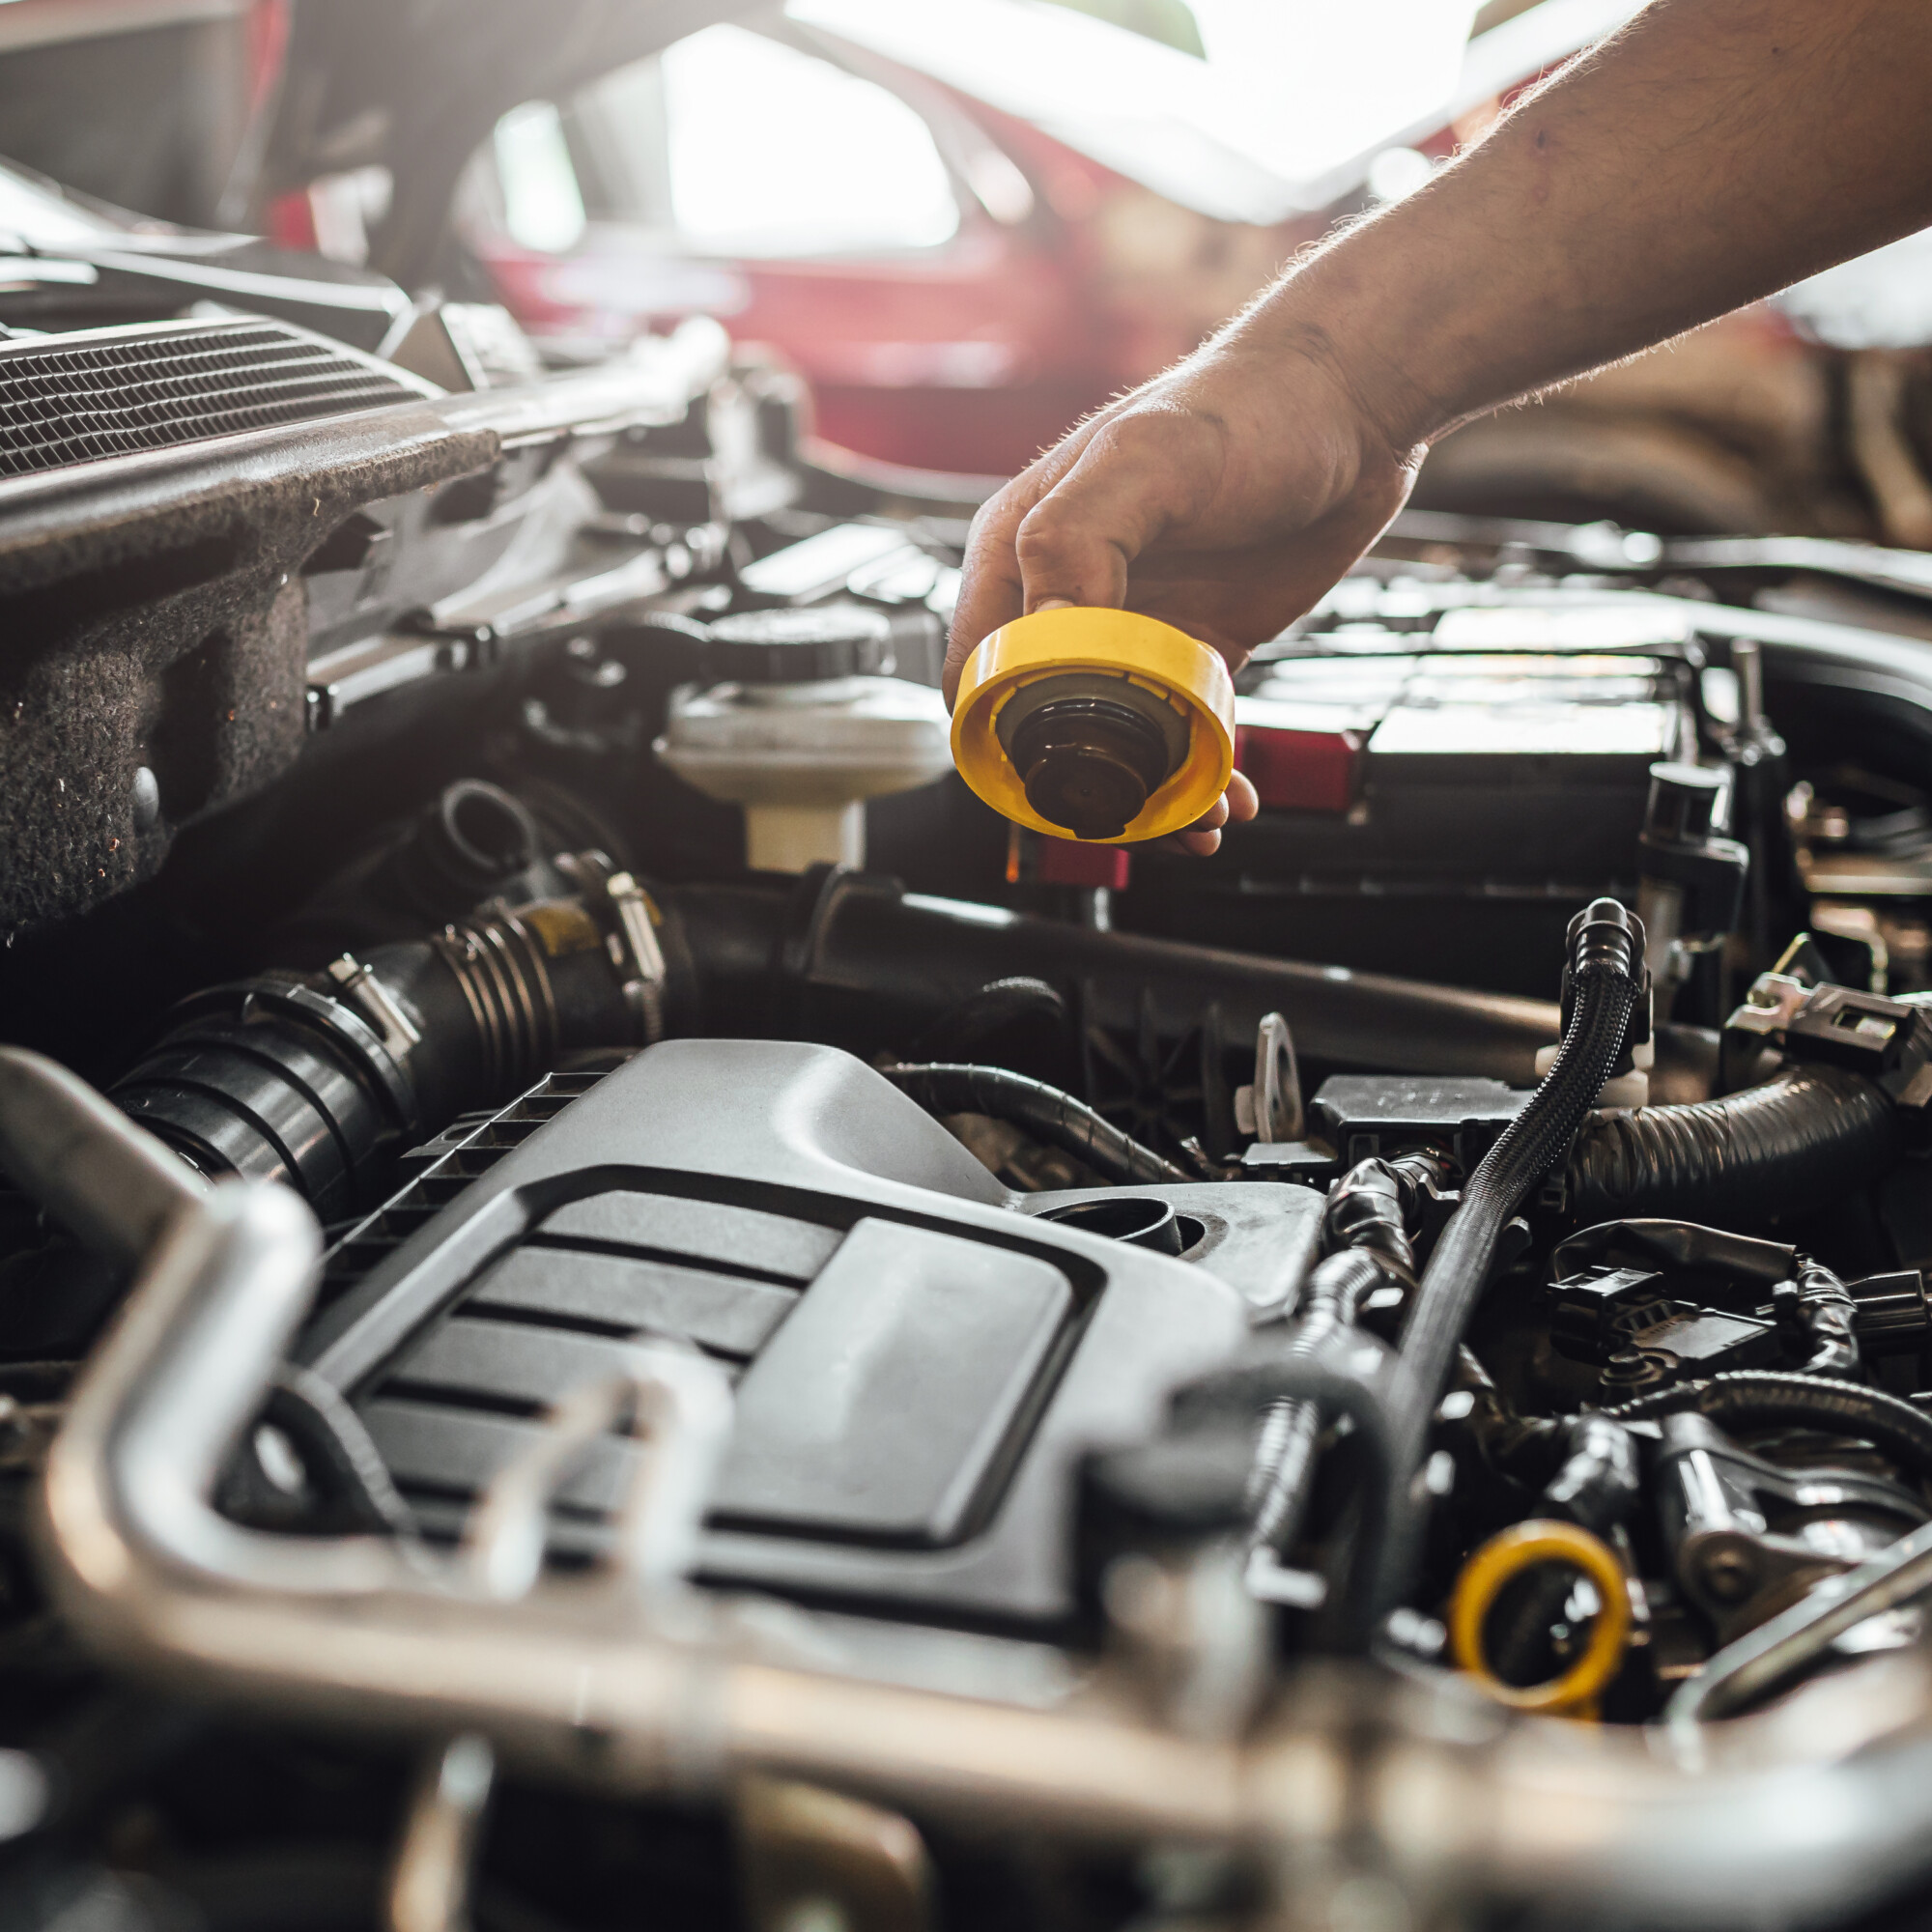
<point x="803" y="729"/>
<point x="1094" y="723"/>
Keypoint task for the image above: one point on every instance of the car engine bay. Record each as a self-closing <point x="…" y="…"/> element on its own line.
<point x="618" y="1304"/>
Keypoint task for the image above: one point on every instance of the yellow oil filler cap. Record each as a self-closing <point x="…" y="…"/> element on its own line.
<point x="1093" y="723"/>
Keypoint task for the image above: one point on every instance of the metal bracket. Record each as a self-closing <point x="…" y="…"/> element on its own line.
<point x="1773" y="1002"/>
<point x="1888" y="1041"/>
<point x="1272" y="1109"/>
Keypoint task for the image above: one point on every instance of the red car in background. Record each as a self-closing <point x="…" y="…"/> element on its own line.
<point x="970" y="222"/>
<point x="965" y="223"/>
<point x="958" y="283"/>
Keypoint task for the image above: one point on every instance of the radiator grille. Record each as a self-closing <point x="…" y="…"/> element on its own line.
<point x="114" y="395"/>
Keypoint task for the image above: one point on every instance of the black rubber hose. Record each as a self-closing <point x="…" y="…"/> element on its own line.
<point x="1805" y="1137"/>
<point x="282" y="1078"/>
<point x="853" y="958"/>
<point x="998" y="1006"/>
<point x="1045" y="1113"/>
<point x="1767" y="1399"/>
<point x="1605" y="948"/>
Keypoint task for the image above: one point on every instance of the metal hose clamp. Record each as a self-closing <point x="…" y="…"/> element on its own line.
<point x="645" y="985"/>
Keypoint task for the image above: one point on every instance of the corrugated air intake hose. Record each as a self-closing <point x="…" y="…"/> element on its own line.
<point x="1807" y="1136"/>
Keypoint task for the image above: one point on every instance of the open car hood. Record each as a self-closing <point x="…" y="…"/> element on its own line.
<point x="417" y="86"/>
<point x="414" y="85"/>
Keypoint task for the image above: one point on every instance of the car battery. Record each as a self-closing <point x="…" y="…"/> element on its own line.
<point x="1541" y="764"/>
<point x="1485" y="767"/>
<point x="1444" y="764"/>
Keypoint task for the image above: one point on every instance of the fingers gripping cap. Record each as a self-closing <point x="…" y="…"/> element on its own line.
<point x="1093" y="723"/>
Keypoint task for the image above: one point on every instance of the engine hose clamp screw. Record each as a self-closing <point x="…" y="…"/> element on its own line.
<point x="1506" y="1557"/>
<point x="1729" y="1572"/>
<point x="374" y="1001"/>
<point x="644" y="988"/>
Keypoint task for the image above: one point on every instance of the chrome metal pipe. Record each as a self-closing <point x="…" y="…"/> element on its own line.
<point x="85" y="1161"/>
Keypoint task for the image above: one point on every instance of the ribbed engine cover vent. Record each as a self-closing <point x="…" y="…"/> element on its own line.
<point x="75" y="399"/>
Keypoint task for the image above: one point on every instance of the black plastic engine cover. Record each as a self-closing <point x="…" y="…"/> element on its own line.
<point x="916" y="1367"/>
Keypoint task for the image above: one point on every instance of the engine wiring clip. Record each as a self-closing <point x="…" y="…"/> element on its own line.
<point x="1887" y="1040"/>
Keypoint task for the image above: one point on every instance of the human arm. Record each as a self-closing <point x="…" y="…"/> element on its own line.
<point x="1709" y="153"/>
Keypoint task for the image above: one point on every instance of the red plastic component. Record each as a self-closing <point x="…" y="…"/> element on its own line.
<point x="1066" y="861"/>
<point x="1301" y="771"/>
<point x="290" y="221"/>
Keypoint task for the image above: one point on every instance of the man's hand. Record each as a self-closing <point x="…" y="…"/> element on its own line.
<point x="1222" y="497"/>
<point x="1708" y="152"/>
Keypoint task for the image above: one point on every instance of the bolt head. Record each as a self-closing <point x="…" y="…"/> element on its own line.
<point x="1729" y="1573"/>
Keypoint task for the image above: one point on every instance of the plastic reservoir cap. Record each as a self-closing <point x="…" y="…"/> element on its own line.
<point x="1094" y="723"/>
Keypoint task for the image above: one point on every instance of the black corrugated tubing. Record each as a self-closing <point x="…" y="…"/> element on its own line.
<point x="1803" y="1138"/>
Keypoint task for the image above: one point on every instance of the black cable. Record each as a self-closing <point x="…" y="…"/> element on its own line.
<point x="1045" y="1113"/>
<point x="1362" y="1228"/>
<point x="1605" y="948"/>
<point x="1748" y="1398"/>
<point x="1829" y="1316"/>
<point x="332" y="1440"/>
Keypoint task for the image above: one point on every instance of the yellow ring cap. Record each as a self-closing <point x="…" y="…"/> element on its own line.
<point x="1181" y="672"/>
<point x="1525" y="1545"/>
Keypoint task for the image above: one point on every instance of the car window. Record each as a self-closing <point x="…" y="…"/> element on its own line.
<point x="731" y="144"/>
<point x="543" y="205"/>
